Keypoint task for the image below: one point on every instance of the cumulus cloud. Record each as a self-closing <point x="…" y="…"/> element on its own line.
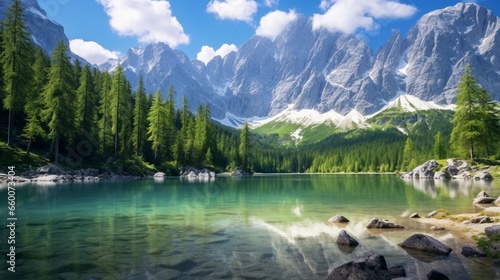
<point x="349" y="15"/>
<point x="233" y="9"/>
<point x="208" y="53"/>
<point x="92" y="51"/>
<point x="273" y="23"/>
<point x="148" y="20"/>
<point x="270" y="3"/>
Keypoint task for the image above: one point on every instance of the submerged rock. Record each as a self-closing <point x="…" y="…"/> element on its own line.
<point x="397" y="271"/>
<point x="346" y="240"/>
<point x="370" y="266"/>
<point x="377" y="223"/>
<point x="426" y="243"/>
<point x="338" y="219"/>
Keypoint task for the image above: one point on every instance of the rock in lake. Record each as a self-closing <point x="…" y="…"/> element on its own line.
<point x="436" y="275"/>
<point x="159" y="175"/>
<point x="415" y="216"/>
<point x="370" y="266"/>
<point x="346" y="240"/>
<point x="471" y="251"/>
<point x="483" y="200"/>
<point x="492" y="231"/>
<point x="338" y="219"/>
<point x="397" y="271"/>
<point x="425" y="243"/>
<point x="238" y="172"/>
<point x="377" y="223"/>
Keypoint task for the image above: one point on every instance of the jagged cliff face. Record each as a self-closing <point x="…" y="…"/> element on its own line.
<point x="45" y="32"/>
<point x="316" y="70"/>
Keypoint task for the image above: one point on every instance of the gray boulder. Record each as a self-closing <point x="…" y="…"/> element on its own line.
<point x="397" y="271"/>
<point x="480" y="220"/>
<point x="442" y="175"/>
<point x="51" y="169"/>
<point x="338" y="219"/>
<point x="240" y="173"/>
<point x="484" y="200"/>
<point x="482" y="194"/>
<point x="346" y="240"/>
<point x="483" y="175"/>
<point x="425" y="243"/>
<point x="436" y="275"/>
<point x="415" y="216"/>
<point x="471" y="251"/>
<point x="378" y="223"/>
<point x="425" y="170"/>
<point x="370" y="267"/>
<point x="492" y="231"/>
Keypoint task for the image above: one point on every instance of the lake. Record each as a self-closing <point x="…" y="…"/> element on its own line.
<point x="263" y="227"/>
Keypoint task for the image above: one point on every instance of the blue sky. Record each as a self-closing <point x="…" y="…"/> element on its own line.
<point x="101" y="29"/>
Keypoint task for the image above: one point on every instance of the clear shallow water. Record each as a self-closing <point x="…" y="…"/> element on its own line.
<point x="265" y="227"/>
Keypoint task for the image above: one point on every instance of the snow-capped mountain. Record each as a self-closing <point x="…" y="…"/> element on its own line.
<point x="45" y="32"/>
<point x="318" y="74"/>
<point x="332" y="73"/>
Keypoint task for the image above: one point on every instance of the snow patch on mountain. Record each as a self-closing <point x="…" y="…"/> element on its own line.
<point x="409" y="103"/>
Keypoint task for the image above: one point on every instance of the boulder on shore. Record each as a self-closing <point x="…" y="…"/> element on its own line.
<point x="483" y="175"/>
<point x="346" y="240"/>
<point x="425" y="243"/>
<point x="378" y="223"/>
<point x="50" y="169"/>
<point x="194" y="173"/>
<point x="425" y="170"/>
<point x="415" y="216"/>
<point x="492" y="231"/>
<point x="471" y="251"/>
<point x="370" y="266"/>
<point x="238" y="172"/>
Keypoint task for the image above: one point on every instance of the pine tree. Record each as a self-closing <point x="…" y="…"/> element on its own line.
<point x="16" y="61"/>
<point x="88" y="100"/>
<point x="157" y="125"/>
<point x="244" y="149"/>
<point x="105" y="133"/>
<point x="408" y="154"/>
<point x="490" y="118"/>
<point x="34" y="102"/>
<point x="59" y="98"/>
<point x="170" y="133"/>
<point x="119" y="105"/>
<point x="139" y="136"/>
<point x="439" y="148"/>
<point x="471" y="115"/>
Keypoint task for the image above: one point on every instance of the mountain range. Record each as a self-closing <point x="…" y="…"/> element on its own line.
<point x="317" y="71"/>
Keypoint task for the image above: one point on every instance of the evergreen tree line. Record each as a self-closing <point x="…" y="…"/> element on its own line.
<point x="80" y="114"/>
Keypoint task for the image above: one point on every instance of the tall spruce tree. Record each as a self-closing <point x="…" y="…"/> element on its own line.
<point x="59" y="98"/>
<point x="439" y="148"/>
<point x="244" y="149"/>
<point x="157" y="125"/>
<point x="16" y="62"/>
<point x="490" y="118"/>
<point x="472" y="116"/>
<point x="139" y="136"/>
<point x="170" y="133"/>
<point x="2" y="85"/>
<point x="105" y="133"/>
<point x="87" y="107"/>
<point x="119" y="105"/>
<point x="34" y="102"/>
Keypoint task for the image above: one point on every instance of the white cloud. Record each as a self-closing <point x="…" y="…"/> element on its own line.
<point x="270" y="3"/>
<point x="148" y="20"/>
<point x="273" y="23"/>
<point x="233" y="9"/>
<point x="208" y="53"/>
<point x="348" y="15"/>
<point x="92" y="51"/>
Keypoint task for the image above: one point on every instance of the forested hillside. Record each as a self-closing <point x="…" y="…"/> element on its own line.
<point x="77" y="115"/>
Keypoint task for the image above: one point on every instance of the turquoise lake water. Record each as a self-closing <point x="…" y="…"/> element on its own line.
<point x="263" y="227"/>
